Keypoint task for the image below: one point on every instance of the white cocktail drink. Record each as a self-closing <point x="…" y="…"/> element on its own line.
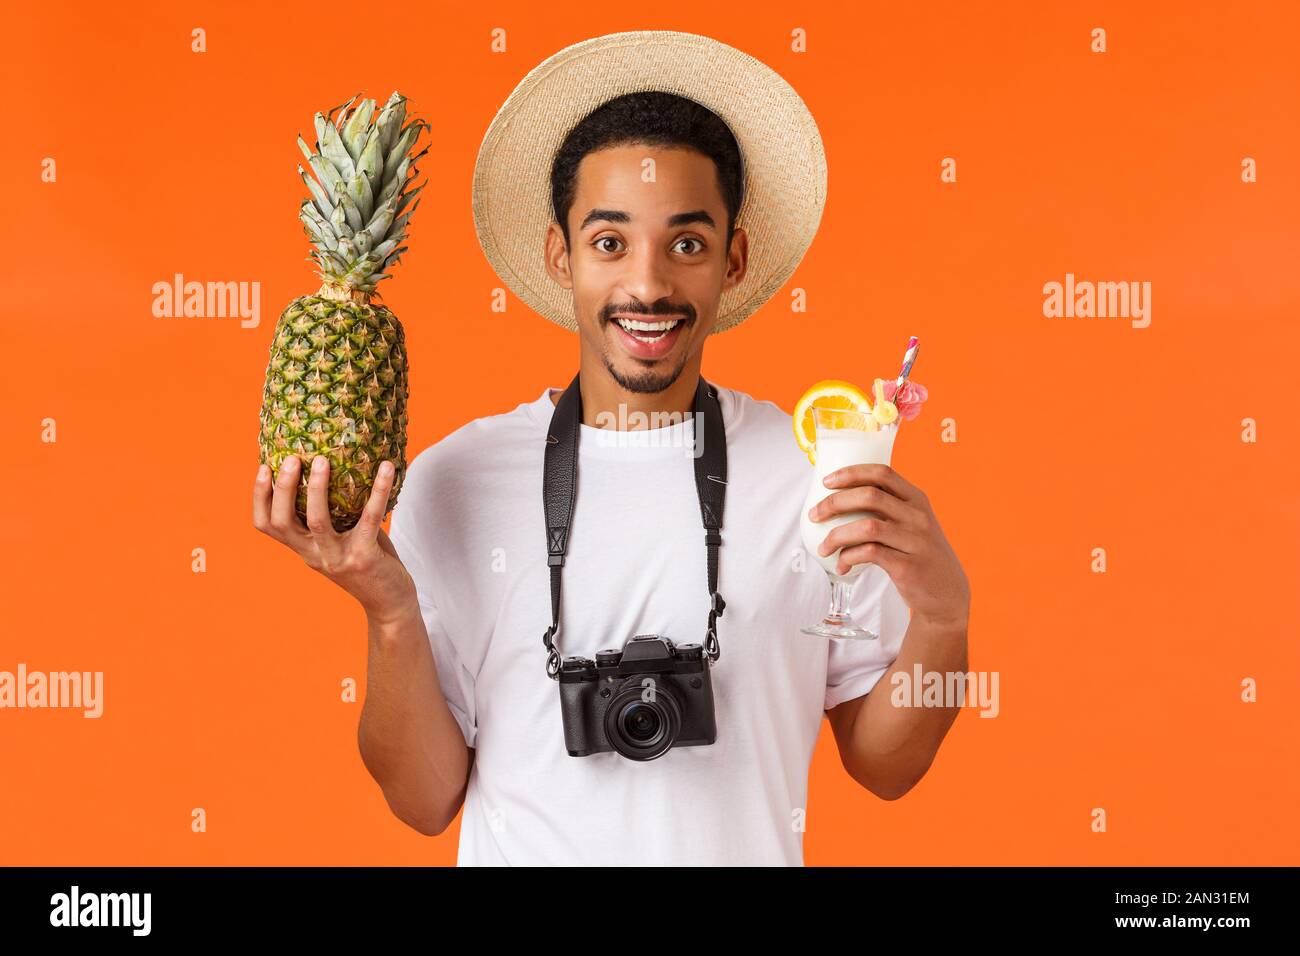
<point x="839" y="428"/>
<point x="844" y="437"/>
<point x="838" y="448"/>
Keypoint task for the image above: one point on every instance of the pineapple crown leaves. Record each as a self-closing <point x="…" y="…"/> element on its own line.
<point x="362" y="190"/>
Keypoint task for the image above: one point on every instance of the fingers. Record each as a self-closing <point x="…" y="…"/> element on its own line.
<point x="284" y="519"/>
<point x="318" y="492"/>
<point x="864" y="530"/>
<point x="863" y="498"/>
<point x="872" y="552"/>
<point x="881" y="475"/>
<point x="262" y="499"/>
<point x="372" y="516"/>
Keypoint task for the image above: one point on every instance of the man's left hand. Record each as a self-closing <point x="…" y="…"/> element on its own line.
<point x="902" y="535"/>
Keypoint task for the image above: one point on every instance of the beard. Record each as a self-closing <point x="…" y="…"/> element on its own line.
<point x="645" y="381"/>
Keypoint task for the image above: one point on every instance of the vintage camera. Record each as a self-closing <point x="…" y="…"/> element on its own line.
<point x="640" y="701"/>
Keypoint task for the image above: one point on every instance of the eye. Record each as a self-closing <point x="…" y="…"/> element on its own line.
<point x="600" y="243"/>
<point x="699" y="245"/>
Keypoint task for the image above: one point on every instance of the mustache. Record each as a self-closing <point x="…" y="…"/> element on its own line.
<point x="685" y="311"/>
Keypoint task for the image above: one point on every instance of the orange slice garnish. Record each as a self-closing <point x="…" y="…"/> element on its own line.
<point x="828" y="393"/>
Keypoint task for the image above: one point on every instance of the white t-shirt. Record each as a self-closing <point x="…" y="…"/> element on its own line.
<point x="469" y="526"/>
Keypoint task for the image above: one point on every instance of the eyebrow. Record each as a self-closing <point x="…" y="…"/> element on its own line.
<point x="618" y="216"/>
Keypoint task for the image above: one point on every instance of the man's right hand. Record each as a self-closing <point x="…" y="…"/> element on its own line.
<point x="361" y="560"/>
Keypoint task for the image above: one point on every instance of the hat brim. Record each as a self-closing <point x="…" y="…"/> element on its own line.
<point x="780" y="145"/>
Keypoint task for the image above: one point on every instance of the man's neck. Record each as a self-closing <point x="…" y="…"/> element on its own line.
<point x="606" y="404"/>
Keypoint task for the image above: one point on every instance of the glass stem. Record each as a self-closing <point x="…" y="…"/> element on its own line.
<point x="841" y="592"/>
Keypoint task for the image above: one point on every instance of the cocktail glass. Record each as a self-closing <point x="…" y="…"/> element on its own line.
<point x="843" y="437"/>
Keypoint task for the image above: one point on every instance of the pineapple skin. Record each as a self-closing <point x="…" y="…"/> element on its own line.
<point x="337" y="385"/>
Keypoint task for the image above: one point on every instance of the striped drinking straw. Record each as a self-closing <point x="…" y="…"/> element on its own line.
<point x="913" y="346"/>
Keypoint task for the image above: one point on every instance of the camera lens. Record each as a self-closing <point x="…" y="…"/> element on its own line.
<point x="641" y="728"/>
<point x="640" y="722"/>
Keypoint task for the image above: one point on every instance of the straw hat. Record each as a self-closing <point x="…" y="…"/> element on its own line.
<point x="780" y="146"/>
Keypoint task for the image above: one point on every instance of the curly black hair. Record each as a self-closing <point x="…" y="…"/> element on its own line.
<point x="651" y="118"/>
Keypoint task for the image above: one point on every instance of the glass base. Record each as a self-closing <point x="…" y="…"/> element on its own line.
<point x="838" y="622"/>
<point x="848" y="631"/>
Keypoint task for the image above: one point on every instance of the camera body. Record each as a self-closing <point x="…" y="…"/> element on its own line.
<point x="640" y="702"/>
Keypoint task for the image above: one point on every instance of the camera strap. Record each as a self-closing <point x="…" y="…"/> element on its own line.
<point x="560" y="486"/>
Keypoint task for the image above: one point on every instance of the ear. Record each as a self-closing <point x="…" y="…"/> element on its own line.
<point x="556" y="257"/>
<point x="737" y="258"/>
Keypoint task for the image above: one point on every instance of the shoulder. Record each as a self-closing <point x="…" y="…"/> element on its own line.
<point x="459" y="492"/>
<point x="492" y="445"/>
<point x="760" y="433"/>
<point x="751" y="412"/>
<point x="758" y="419"/>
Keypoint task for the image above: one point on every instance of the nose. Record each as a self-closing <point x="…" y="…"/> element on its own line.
<point x="647" y="276"/>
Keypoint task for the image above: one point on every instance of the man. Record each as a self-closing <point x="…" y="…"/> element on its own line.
<point x="622" y="219"/>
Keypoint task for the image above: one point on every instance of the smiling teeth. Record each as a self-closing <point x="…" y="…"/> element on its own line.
<point x="632" y="325"/>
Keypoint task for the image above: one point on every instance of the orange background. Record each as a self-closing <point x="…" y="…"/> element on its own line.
<point x="1118" y="690"/>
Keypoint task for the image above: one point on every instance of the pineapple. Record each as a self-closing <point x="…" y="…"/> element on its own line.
<point x="336" y="383"/>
